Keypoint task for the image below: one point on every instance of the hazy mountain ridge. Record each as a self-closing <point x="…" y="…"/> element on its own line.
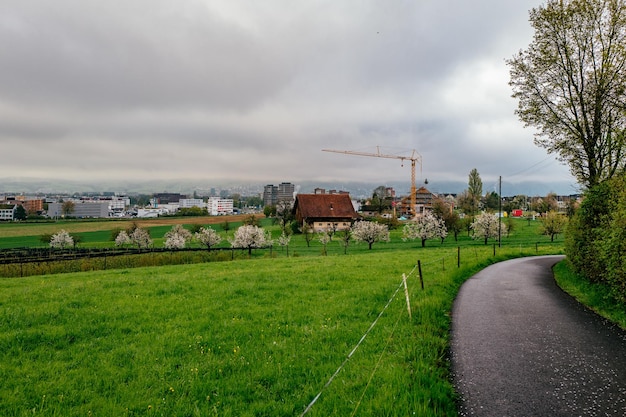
<point x="203" y="187"/>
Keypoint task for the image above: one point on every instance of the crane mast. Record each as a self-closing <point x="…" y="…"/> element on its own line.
<point x="414" y="158"/>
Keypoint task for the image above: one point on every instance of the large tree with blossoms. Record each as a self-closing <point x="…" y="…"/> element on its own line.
<point x="370" y="232"/>
<point x="250" y="237"/>
<point x="487" y="226"/>
<point x="425" y="227"/>
<point x="208" y="237"/>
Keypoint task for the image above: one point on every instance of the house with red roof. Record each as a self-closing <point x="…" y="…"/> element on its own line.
<point x="325" y="211"/>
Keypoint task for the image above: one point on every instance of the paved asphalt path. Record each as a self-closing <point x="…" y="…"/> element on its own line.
<point x="522" y="347"/>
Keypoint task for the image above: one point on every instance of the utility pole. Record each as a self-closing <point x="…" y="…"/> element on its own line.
<point x="500" y="212"/>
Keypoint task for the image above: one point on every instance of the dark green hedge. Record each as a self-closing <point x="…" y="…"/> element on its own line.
<point x="596" y="240"/>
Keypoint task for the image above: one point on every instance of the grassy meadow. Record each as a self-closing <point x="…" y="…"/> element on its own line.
<point x="250" y="337"/>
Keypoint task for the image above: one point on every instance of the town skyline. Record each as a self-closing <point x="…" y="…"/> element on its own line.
<point x="203" y="187"/>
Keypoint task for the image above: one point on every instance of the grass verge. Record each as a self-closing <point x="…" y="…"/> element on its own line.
<point x="595" y="296"/>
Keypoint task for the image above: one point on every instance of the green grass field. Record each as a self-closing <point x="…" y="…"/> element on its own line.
<point x="250" y="337"/>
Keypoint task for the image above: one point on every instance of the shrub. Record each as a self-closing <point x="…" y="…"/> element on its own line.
<point x="596" y="234"/>
<point x="195" y="228"/>
<point x="585" y="230"/>
<point x="295" y="227"/>
<point x="614" y="245"/>
<point x="61" y="240"/>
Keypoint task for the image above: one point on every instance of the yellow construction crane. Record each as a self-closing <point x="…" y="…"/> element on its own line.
<point x="414" y="158"/>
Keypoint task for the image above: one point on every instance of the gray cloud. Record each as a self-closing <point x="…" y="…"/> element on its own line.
<point x="216" y="90"/>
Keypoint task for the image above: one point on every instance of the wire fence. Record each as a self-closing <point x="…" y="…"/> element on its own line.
<point x="24" y="262"/>
<point x="452" y="259"/>
<point x="21" y="262"/>
<point x="26" y="255"/>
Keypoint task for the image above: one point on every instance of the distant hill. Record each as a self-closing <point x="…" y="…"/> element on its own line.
<point x="203" y="186"/>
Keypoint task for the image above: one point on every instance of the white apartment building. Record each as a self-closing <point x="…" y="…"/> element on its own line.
<point x="219" y="206"/>
<point x="7" y="211"/>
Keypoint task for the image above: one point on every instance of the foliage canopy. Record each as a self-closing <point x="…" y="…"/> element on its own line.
<point x="570" y="84"/>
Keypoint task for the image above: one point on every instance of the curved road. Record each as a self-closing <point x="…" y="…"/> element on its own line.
<point x="522" y="347"/>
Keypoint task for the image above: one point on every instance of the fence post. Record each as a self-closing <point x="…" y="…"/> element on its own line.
<point x="419" y="268"/>
<point x="406" y="294"/>
<point x="458" y="256"/>
<point x="494" y="249"/>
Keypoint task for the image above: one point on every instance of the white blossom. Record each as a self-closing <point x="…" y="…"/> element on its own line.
<point x="177" y="237"/>
<point x="141" y="238"/>
<point x="61" y="240"/>
<point x="425" y="227"/>
<point x="250" y="237"/>
<point x="487" y="225"/>
<point x="122" y="239"/>
<point x="370" y="232"/>
<point x="324" y="237"/>
<point x="208" y="237"/>
<point x="284" y="239"/>
<point x="175" y="241"/>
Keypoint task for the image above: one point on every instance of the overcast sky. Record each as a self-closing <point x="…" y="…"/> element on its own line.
<point x="253" y="90"/>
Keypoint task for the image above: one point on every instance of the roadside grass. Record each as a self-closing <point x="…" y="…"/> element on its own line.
<point x="242" y="338"/>
<point x="595" y="296"/>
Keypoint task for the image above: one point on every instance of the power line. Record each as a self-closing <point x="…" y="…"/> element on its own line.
<point x="530" y="167"/>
